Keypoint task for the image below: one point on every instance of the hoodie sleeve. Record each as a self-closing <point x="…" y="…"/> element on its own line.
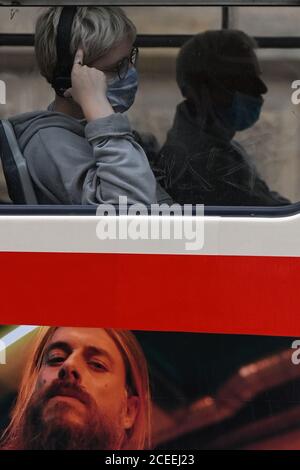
<point x="96" y="165"/>
<point x="120" y="168"/>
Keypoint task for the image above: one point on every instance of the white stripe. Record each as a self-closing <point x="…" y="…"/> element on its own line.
<point x="15" y="335"/>
<point x="244" y="236"/>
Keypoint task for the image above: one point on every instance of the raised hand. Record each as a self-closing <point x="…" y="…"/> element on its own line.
<point x="89" y="89"/>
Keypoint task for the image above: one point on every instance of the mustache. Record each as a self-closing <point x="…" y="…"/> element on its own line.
<point x="67" y="389"/>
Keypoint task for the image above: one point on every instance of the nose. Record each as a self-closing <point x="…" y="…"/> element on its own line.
<point x="69" y="373"/>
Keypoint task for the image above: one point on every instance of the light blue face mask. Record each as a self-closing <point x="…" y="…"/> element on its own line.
<point x="121" y="93"/>
<point x="243" y="112"/>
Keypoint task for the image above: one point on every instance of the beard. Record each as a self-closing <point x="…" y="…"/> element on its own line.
<point x="95" y="431"/>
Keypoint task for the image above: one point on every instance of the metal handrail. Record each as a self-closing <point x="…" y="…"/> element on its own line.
<point x="163" y="40"/>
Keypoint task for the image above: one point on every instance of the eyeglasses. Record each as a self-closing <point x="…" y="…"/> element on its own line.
<point x="122" y="67"/>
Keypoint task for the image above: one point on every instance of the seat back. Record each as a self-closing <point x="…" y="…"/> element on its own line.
<point x="19" y="183"/>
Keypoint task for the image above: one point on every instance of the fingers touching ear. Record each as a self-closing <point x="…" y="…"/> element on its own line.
<point x="68" y="93"/>
<point x="78" y="59"/>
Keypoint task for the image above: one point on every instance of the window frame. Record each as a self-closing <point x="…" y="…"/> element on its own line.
<point x="153" y="3"/>
<point x="160" y="40"/>
<point x="90" y="210"/>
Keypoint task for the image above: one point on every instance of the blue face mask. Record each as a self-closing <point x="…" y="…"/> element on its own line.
<point x="121" y="93"/>
<point x="243" y="112"/>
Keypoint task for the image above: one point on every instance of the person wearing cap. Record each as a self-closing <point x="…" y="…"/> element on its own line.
<point x="219" y="76"/>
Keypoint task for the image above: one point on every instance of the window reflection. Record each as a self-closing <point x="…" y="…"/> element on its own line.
<point x="220" y="79"/>
<point x="193" y="153"/>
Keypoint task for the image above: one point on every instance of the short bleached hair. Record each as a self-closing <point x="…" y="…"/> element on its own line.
<point x="95" y="29"/>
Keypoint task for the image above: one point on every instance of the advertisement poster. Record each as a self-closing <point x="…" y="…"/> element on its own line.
<point x="149" y="229"/>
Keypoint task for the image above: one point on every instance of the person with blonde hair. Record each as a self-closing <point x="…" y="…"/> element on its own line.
<point x="82" y="150"/>
<point x="82" y="388"/>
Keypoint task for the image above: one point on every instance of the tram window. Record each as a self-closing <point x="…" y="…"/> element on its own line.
<point x="274" y="140"/>
<point x="175" y="20"/>
<point x="269" y="21"/>
<point x="272" y="144"/>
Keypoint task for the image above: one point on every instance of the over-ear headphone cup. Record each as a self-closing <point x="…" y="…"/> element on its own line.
<point x="62" y="74"/>
<point x="61" y="84"/>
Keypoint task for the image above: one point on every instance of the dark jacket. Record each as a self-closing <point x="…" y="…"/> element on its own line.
<point x="203" y="165"/>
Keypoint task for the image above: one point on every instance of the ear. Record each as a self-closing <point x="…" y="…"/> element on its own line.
<point x="131" y="411"/>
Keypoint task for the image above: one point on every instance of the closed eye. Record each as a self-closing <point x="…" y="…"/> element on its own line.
<point x="56" y="360"/>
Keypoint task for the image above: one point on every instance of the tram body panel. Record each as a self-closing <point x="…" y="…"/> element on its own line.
<point x="245" y="279"/>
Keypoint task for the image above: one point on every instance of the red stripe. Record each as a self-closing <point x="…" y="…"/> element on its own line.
<point x="223" y="294"/>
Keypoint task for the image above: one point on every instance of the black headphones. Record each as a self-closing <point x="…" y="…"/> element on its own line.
<point x="62" y="72"/>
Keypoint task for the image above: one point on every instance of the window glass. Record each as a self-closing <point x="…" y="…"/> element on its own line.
<point x="19" y="19"/>
<point x="174" y="20"/>
<point x="274" y="140"/>
<point x="257" y="166"/>
<point x="148" y="20"/>
<point x="269" y="21"/>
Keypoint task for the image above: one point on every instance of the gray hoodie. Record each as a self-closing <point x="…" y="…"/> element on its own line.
<point x="74" y="162"/>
